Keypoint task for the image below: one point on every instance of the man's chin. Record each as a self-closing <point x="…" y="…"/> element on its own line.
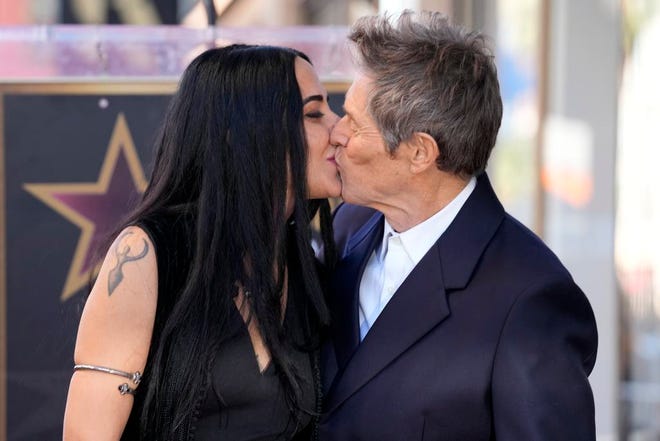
<point x="350" y="197"/>
<point x="347" y="197"/>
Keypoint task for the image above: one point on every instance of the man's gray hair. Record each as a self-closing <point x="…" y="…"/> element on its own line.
<point x="434" y="77"/>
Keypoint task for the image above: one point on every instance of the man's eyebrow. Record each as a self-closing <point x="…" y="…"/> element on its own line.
<point x="313" y="98"/>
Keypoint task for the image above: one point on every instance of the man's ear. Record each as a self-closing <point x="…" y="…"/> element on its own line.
<point x="423" y="152"/>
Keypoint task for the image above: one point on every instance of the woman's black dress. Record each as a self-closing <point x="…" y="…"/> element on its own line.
<point x="246" y="404"/>
<point x="241" y="403"/>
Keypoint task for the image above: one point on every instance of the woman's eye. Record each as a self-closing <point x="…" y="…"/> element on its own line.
<point x="315" y="114"/>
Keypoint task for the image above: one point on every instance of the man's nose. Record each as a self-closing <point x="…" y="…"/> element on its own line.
<point x="339" y="134"/>
<point x="334" y="118"/>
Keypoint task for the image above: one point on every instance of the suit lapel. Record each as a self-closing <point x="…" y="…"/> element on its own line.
<point x="346" y="286"/>
<point x="416" y="308"/>
<point x="462" y="245"/>
<point x="419" y="305"/>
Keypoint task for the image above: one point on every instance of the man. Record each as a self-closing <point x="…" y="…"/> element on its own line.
<point x="452" y="321"/>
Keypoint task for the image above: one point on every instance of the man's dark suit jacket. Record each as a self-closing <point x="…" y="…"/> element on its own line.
<point x="488" y="338"/>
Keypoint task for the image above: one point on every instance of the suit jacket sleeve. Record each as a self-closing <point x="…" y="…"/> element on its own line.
<point x="545" y="353"/>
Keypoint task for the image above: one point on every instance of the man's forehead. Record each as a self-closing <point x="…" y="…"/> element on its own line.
<point x="357" y="94"/>
<point x="362" y="82"/>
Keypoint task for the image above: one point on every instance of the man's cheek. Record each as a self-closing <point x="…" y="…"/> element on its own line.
<point x="357" y="159"/>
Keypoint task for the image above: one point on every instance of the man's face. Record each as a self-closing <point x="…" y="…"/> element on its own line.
<point x="370" y="175"/>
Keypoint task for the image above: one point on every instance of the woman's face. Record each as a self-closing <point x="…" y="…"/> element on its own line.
<point x="322" y="178"/>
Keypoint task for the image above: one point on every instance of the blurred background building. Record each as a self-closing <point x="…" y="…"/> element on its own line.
<point x="575" y="160"/>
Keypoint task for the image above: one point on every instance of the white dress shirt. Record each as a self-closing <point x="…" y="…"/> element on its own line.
<point x="397" y="256"/>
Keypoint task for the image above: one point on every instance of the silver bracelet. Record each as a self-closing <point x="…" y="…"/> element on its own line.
<point x="124" y="388"/>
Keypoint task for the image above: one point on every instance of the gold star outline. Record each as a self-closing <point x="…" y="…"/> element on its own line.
<point x="120" y="140"/>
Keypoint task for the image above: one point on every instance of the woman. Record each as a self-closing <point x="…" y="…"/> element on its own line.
<point x="210" y="289"/>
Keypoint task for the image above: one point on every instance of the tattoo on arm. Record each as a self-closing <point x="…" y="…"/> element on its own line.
<point x="115" y="276"/>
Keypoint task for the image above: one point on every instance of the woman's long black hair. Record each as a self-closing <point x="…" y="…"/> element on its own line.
<point x="231" y="141"/>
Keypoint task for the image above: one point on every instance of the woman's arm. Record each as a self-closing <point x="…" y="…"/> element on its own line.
<point x="115" y="332"/>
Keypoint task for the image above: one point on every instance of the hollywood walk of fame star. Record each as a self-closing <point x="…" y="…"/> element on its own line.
<point x="96" y="207"/>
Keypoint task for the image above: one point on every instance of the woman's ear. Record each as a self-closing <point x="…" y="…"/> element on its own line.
<point x="423" y="152"/>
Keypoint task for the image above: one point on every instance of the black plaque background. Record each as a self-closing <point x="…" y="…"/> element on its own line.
<point x="52" y="139"/>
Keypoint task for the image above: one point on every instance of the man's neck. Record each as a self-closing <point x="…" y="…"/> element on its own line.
<point x="421" y="201"/>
